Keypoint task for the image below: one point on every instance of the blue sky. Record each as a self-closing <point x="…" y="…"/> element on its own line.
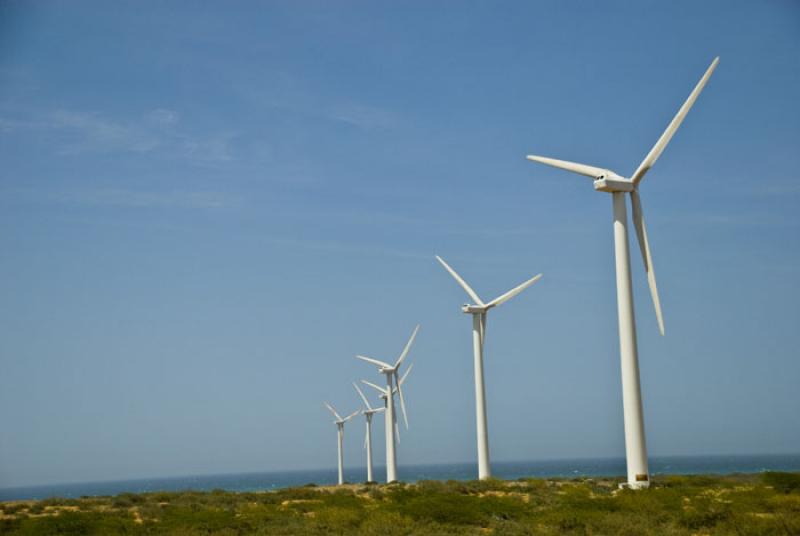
<point x="207" y="210"/>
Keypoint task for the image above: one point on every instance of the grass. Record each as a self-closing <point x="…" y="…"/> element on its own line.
<point x="768" y="503"/>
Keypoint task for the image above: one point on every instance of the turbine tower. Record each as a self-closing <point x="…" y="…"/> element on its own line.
<point x="478" y="312"/>
<point x="339" y="422"/>
<point x="608" y="181"/>
<point x="368" y="413"/>
<point x="391" y="372"/>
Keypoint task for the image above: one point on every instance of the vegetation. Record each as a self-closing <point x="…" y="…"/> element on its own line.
<point x="739" y="504"/>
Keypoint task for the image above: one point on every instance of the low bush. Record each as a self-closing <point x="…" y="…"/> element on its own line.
<point x="14" y="508"/>
<point x="783" y="482"/>
<point x="78" y="524"/>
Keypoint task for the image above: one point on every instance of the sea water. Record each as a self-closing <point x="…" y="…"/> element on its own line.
<point x="411" y="473"/>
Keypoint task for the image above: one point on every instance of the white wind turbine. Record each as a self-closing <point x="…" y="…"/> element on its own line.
<point x="391" y="372"/>
<point x="368" y="413"/>
<point x="339" y="422"/>
<point x="385" y="398"/>
<point x="478" y="312"/>
<point x="608" y="181"/>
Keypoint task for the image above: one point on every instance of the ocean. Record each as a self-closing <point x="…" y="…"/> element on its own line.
<point x="411" y="473"/>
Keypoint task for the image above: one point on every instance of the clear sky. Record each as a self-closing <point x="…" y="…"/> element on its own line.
<point x="207" y="209"/>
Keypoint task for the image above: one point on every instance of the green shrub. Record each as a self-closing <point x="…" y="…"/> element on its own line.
<point x="482" y="486"/>
<point x="294" y="494"/>
<point x="338" y="519"/>
<point x="36" y="508"/>
<point x="627" y="524"/>
<point x="385" y="523"/>
<point x="703" y="513"/>
<point x="441" y="507"/>
<point x="14" y="508"/>
<point x="122" y="501"/>
<point x="783" y="482"/>
<point x="161" y="496"/>
<point x="690" y="481"/>
<point x="787" y="503"/>
<point x="79" y="524"/>
<point x="436" y="486"/>
<point x="54" y="501"/>
<point x="578" y="497"/>
<point x="208" y="520"/>
<point x="652" y="503"/>
<point x="502" y="508"/>
<point x="257" y="515"/>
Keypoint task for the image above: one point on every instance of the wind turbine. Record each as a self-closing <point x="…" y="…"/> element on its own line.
<point x="478" y="312"/>
<point x="339" y="422"/>
<point x="608" y="181"/>
<point x="385" y="397"/>
<point x="391" y="372"/>
<point x="368" y="413"/>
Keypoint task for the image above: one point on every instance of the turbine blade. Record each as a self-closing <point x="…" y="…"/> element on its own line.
<point x="483" y="327"/>
<point x="407" y="348"/>
<point x="396" y="427"/>
<point x="662" y="142"/>
<point x="361" y="394"/>
<point x="374" y="361"/>
<point x="513" y="292"/>
<point x="351" y="416"/>
<point x="472" y="294"/>
<point x="402" y="400"/>
<point x="644" y="246"/>
<point x="333" y="411"/>
<point x="581" y="169"/>
<point x="403" y="379"/>
<point x="376" y="387"/>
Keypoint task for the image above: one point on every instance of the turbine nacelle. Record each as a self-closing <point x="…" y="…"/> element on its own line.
<point x="611" y="182"/>
<point x="475" y="309"/>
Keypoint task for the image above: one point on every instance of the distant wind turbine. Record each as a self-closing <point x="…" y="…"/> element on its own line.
<point x="608" y="181"/>
<point x="368" y="413"/>
<point x="339" y="422"/>
<point x="478" y="312"/>
<point x="391" y="372"/>
<point x="385" y="397"/>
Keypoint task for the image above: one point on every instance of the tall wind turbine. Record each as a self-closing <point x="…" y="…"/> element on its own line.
<point x="608" y="181"/>
<point x="339" y="422"/>
<point x="368" y="413"/>
<point x="478" y="312"/>
<point x="391" y="372"/>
